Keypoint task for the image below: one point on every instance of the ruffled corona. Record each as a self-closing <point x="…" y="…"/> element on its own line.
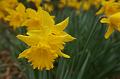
<point x="41" y="57"/>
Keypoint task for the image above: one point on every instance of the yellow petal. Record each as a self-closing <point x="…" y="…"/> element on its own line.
<point x="64" y="55"/>
<point x="20" y="8"/>
<point x="24" y="53"/>
<point x="104" y="20"/>
<point x="109" y="32"/>
<point x="29" y="40"/>
<point x="67" y="37"/>
<point x="38" y="33"/>
<point x="31" y="13"/>
<point x="103" y="2"/>
<point x="63" y="24"/>
<point x="100" y="11"/>
<point x="10" y="11"/>
<point x="46" y="19"/>
<point x="53" y="17"/>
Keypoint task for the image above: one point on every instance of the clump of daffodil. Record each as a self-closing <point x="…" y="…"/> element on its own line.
<point x="45" y="38"/>
<point x="46" y="4"/>
<point x="6" y="4"/>
<point x="70" y="3"/>
<point x="114" y="23"/>
<point x="77" y="4"/>
<point x="16" y="17"/>
<point x="109" y="7"/>
<point x="86" y="5"/>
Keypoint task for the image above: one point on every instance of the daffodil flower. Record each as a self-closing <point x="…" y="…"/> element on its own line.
<point x="114" y="23"/>
<point x="6" y="4"/>
<point x="109" y="7"/>
<point x="45" y="38"/>
<point x="16" y="17"/>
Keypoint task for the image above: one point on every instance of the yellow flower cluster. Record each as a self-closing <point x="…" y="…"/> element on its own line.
<point x="5" y="5"/>
<point x="70" y="3"/>
<point x="16" y="16"/>
<point x="111" y="9"/>
<point x="77" y="4"/>
<point x="86" y="4"/>
<point x="47" y="4"/>
<point x="45" y="38"/>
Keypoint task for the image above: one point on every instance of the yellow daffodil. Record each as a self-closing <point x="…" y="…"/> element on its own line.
<point x="49" y="34"/>
<point x="38" y="19"/>
<point x="70" y="3"/>
<point x="16" y="17"/>
<point x="45" y="46"/>
<point x="6" y="4"/>
<point x="45" y="38"/>
<point x="109" y="7"/>
<point x="114" y="23"/>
